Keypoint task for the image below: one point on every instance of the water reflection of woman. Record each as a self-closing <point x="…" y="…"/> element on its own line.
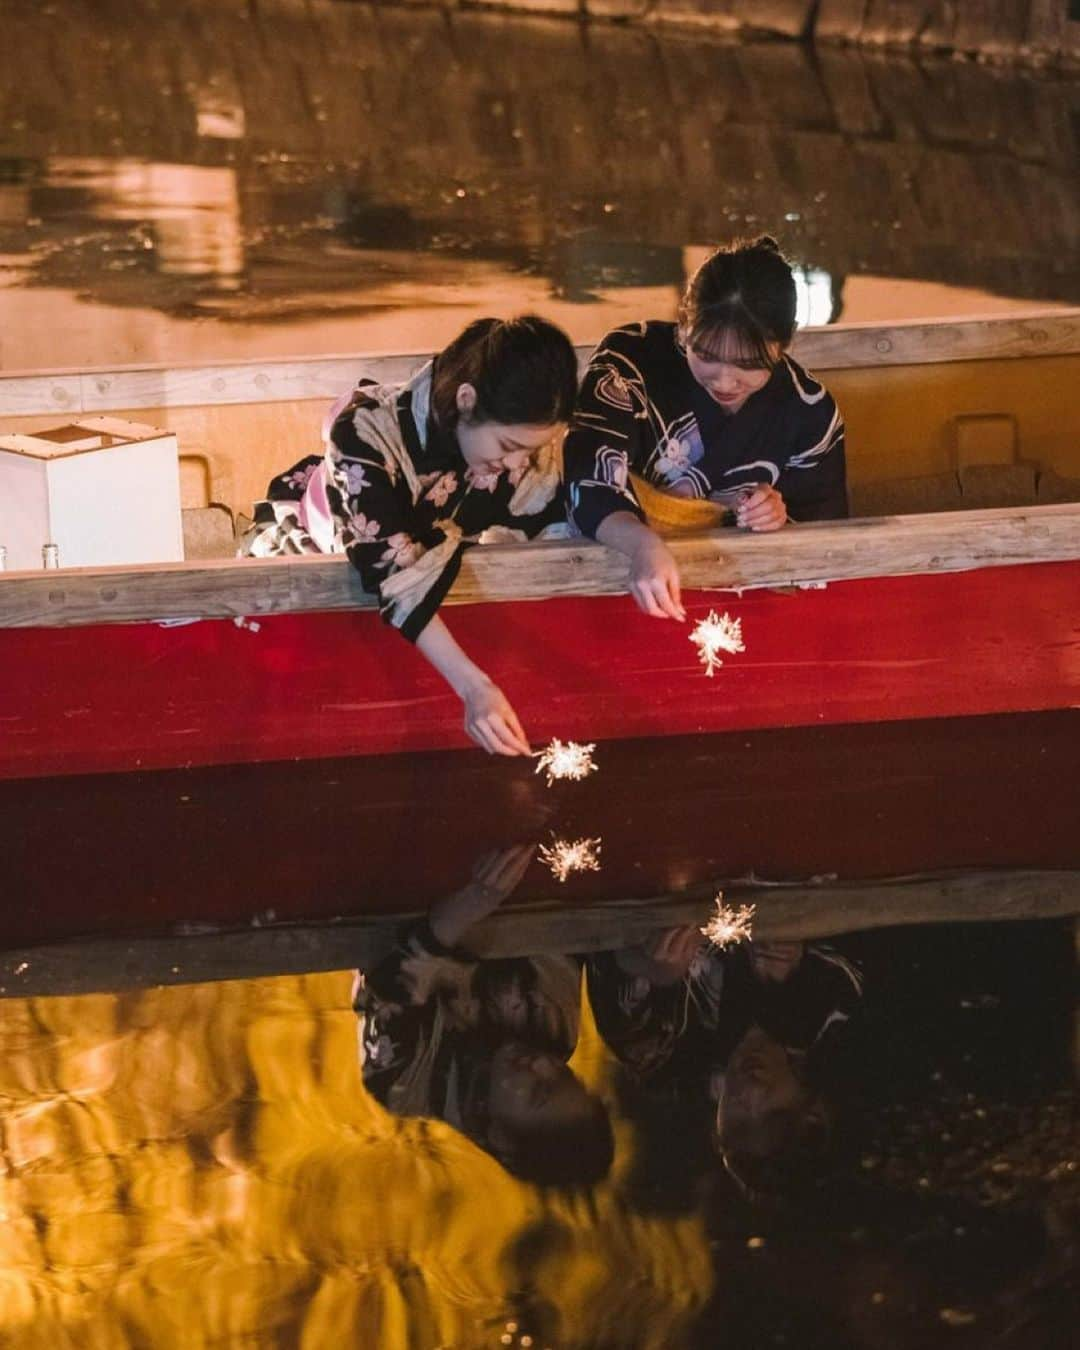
<point x="412" y="474"/>
<point x="710" y="408"/>
<point x="484" y="1044"/>
<point x="753" y="1035"/>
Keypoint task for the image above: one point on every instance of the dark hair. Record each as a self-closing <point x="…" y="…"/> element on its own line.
<point x="524" y="372"/>
<point x="571" y="1153"/>
<point x="745" y="289"/>
<point x="574" y="1152"/>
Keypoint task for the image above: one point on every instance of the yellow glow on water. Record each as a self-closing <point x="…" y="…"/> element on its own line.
<point x="201" y="1166"/>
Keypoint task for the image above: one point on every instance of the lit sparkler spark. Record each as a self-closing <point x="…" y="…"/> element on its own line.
<point x="564" y="856"/>
<point x="565" y="761"/>
<point x="714" y="634"/>
<point x="729" y="926"/>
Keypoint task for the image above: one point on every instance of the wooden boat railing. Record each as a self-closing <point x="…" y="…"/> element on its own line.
<point x="804" y="556"/>
<point x="840" y="346"/>
<point x="801" y="911"/>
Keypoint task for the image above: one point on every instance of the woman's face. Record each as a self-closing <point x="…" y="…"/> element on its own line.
<point x="533" y="1088"/>
<point x="498" y="447"/>
<point x="728" y="373"/>
<point x="493" y="447"/>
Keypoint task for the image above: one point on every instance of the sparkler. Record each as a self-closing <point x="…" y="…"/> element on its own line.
<point x="564" y="856"/>
<point x="568" y="760"/>
<point x="714" y="634"/>
<point x="729" y="926"/>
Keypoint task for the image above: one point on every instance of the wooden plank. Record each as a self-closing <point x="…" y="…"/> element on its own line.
<point x="801" y="912"/>
<point x="837" y="347"/>
<point x="29" y="395"/>
<point x="724" y="560"/>
<point x="239" y="382"/>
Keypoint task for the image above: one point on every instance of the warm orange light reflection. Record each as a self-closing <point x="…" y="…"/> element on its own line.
<point x="201" y="1166"/>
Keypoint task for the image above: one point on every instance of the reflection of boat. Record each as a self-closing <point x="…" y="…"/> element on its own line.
<point x="954" y="613"/>
<point x="287" y="844"/>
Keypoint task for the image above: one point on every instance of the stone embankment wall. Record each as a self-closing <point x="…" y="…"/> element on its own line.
<point x="1035" y="31"/>
<point x="560" y="137"/>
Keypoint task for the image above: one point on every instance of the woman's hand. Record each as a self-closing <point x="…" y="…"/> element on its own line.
<point x="489" y="718"/>
<point x="654" y="574"/>
<point x="491" y="721"/>
<point x="495" y="876"/>
<point x="499" y="873"/>
<point x="761" y="509"/>
<point x="654" y="578"/>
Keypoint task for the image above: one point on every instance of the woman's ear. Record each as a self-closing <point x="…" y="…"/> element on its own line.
<point x="465" y="398"/>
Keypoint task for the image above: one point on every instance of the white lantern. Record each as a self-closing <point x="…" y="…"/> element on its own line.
<point x="102" y="489"/>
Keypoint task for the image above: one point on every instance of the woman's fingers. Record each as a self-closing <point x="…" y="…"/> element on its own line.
<point x="643" y="593"/>
<point x="492" y="722"/>
<point x="654" y="578"/>
<point x="503" y="869"/>
<point x="516" y="864"/>
<point x="762" y="509"/>
<point x="674" y="591"/>
<point x="510" y="717"/>
<point x="659" y="596"/>
<point x="497" y="738"/>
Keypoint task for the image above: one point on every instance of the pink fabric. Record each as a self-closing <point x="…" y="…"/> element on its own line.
<point x="315" y="514"/>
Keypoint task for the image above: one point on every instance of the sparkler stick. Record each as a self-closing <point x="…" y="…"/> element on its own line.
<point x="714" y="634"/>
<point x="565" y="760"/>
<point x="564" y="856"/>
<point x="729" y="926"/>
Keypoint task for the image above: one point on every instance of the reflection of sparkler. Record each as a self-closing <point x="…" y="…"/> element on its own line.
<point x="565" y="761"/>
<point x="729" y="926"/>
<point x="564" y="856"/>
<point x="714" y="634"/>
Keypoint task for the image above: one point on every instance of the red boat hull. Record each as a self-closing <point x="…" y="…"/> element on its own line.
<point x="118" y="697"/>
<point x="309" y="841"/>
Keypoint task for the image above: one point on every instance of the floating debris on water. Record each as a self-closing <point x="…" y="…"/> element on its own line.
<point x="564" y="856"/>
<point x="729" y="926"/>
<point x="569" y="760"/>
<point x="956" y="1317"/>
<point x="714" y="634"/>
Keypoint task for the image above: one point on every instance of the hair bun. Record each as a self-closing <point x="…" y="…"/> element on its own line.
<point x="766" y="241"/>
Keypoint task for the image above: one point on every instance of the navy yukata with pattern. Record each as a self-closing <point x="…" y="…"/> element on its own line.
<point x="641" y="410"/>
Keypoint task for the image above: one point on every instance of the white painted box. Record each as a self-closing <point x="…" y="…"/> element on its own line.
<point x="103" y="489"/>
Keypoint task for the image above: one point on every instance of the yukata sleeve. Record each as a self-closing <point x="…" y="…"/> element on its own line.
<point x="407" y="565"/>
<point x="813" y="480"/>
<point x="604" y="440"/>
<point x="396" y="1009"/>
<point x="639" y="1022"/>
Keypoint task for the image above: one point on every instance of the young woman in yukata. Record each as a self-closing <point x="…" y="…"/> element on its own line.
<point x="413" y="474"/>
<point x="483" y="1044"/>
<point x="710" y="408"/>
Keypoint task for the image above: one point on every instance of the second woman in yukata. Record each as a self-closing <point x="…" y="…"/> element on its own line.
<point x="710" y="408"/>
<point x="414" y="474"/>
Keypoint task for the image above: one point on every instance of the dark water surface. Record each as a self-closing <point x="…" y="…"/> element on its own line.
<point x="572" y="1122"/>
<point x="198" y="181"/>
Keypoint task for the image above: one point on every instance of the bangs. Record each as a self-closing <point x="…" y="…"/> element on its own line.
<point x="728" y="333"/>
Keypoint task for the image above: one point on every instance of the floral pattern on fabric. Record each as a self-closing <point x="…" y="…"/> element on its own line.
<point x="393" y="493"/>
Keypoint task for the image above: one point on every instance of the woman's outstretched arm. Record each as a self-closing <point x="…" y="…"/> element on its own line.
<point x="489" y="718"/>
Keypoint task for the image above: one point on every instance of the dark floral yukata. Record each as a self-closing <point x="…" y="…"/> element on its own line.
<point x="393" y="492"/>
<point x="641" y="410"/>
<point x="425" y="1047"/>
